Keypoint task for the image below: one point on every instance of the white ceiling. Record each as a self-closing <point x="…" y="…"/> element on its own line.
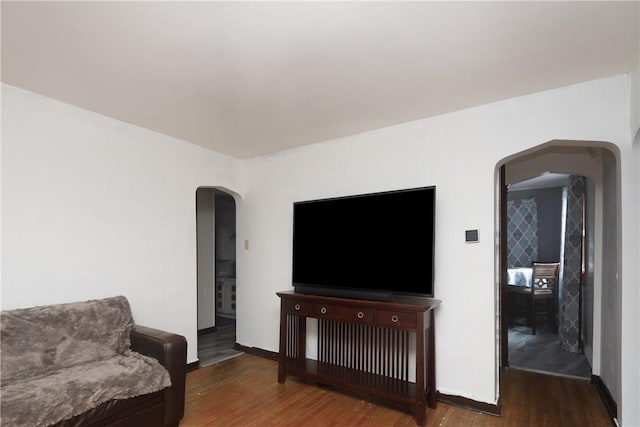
<point x="251" y="78"/>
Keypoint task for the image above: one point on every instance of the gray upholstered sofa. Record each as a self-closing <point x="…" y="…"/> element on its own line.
<point x="82" y="364"/>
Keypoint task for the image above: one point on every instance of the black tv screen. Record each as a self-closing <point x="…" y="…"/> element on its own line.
<point x="369" y="246"/>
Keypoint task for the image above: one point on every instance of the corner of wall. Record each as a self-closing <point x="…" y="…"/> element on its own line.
<point x="635" y="100"/>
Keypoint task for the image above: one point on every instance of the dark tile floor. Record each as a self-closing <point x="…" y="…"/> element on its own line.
<point x="216" y="346"/>
<point x="542" y="352"/>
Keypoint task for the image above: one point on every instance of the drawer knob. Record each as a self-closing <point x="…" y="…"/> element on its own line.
<point x="297" y="307"/>
<point x="360" y="315"/>
<point x="323" y="310"/>
<point x="394" y="319"/>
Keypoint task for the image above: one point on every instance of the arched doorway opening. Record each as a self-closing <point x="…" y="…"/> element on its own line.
<point x="550" y="223"/>
<point x="599" y="162"/>
<point x="216" y="274"/>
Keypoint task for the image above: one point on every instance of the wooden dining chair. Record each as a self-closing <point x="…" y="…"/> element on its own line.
<point x="544" y="287"/>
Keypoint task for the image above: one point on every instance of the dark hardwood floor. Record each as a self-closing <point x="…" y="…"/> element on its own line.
<point x="243" y="391"/>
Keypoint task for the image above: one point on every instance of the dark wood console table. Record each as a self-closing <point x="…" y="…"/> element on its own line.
<point x="363" y="347"/>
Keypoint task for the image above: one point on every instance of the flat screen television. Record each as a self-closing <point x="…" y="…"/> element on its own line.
<point x="370" y="246"/>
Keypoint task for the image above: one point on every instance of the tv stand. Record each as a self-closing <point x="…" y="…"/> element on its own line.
<point x="344" y="293"/>
<point x="363" y="347"/>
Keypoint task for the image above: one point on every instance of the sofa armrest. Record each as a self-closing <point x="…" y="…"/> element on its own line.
<point x="171" y="351"/>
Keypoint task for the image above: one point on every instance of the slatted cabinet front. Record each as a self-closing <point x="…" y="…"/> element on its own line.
<point x="362" y="346"/>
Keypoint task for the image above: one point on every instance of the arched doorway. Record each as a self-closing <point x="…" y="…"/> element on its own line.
<point x="216" y="274"/>
<point x="600" y="163"/>
<point x="550" y="223"/>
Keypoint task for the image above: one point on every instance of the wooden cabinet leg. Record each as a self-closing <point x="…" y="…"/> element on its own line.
<point x="282" y="376"/>
<point x="421" y="415"/>
<point x="431" y="361"/>
<point x="282" y="355"/>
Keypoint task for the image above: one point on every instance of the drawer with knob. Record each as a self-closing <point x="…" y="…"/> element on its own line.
<point x="298" y="307"/>
<point x="398" y="319"/>
<point x="344" y="314"/>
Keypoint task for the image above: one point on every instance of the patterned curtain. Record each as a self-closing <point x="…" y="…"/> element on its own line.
<point x="522" y="232"/>
<point x="569" y="298"/>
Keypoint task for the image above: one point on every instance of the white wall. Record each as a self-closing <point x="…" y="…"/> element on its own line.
<point x="630" y="331"/>
<point x="630" y="268"/>
<point x="635" y="99"/>
<point x="457" y="152"/>
<point x="93" y="207"/>
<point x="589" y="293"/>
<point x="611" y="290"/>
<point x="631" y="345"/>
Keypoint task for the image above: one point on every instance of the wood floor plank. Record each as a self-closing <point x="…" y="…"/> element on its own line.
<point x="244" y="391"/>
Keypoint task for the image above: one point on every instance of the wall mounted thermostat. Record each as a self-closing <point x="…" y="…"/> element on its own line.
<point x="471" y="236"/>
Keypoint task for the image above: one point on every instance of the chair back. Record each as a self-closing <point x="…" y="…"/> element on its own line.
<point x="545" y="275"/>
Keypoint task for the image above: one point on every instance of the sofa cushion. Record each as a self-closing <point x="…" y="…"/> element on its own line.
<point x="141" y="411"/>
<point x="40" y="340"/>
<point x="48" y="399"/>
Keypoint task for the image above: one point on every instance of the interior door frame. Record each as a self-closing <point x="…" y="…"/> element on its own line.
<point x="502" y="267"/>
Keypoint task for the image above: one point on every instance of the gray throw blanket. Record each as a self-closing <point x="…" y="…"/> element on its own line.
<point x="59" y="361"/>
